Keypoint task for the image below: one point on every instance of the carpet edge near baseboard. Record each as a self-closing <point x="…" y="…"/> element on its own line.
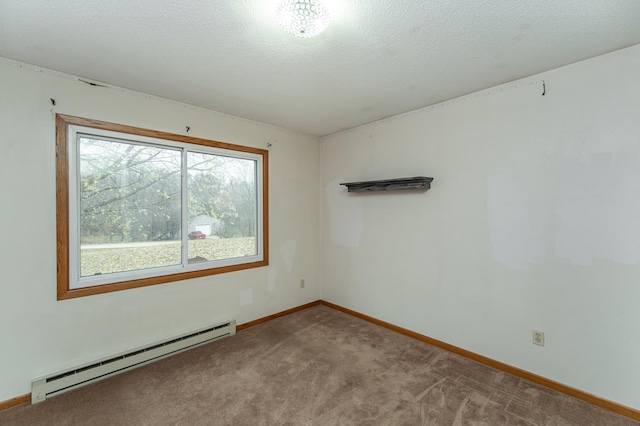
<point x="246" y="325"/>
<point x="18" y="400"/>
<point x="523" y="374"/>
<point x="22" y="399"/>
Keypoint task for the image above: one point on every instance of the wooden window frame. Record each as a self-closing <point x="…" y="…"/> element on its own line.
<point x="62" y="208"/>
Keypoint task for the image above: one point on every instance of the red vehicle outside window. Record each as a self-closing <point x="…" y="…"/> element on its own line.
<point x="195" y="235"/>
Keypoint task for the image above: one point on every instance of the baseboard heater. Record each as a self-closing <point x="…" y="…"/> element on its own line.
<point x="63" y="381"/>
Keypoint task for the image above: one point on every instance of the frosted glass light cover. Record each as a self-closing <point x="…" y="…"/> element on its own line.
<point x="303" y="18"/>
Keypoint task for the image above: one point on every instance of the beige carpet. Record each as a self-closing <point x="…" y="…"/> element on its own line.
<point x="315" y="367"/>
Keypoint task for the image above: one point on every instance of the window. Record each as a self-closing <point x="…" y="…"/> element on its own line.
<point x="137" y="207"/>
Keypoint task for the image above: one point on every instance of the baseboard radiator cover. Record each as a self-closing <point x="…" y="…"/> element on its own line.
<point x="64" y="381"/>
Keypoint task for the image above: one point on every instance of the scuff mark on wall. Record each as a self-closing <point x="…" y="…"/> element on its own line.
<point x="271" y="279"/>
<point x="246" y="297"/>
<point x="288" y="250"/>
<point x="345" y="215"/>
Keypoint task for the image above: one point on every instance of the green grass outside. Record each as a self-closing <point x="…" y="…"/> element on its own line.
<point x="108" y="260"/>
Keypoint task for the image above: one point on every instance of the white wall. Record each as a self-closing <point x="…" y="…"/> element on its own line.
<point x="41" y="335"/>
<point x="532" y="222"/>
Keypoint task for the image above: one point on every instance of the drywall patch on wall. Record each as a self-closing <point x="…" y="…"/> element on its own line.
<point x="246" y="297"/>
<point x="597" y="209"/>
<point x="288" y="250"/>
<point x="271" y="279"/>
<point x="345" y="215"/>
<point x="509" y="222"/>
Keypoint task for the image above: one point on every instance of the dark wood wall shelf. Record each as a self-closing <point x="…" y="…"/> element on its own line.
<point x="418" y="182"/>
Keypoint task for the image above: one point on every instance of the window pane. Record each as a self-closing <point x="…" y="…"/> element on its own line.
<point x="130" y="214"/>
<point x="222" y="207"/>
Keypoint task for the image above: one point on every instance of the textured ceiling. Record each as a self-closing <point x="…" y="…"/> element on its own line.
<point x="377" y="58"/>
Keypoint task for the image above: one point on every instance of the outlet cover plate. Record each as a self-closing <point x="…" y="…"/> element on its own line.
<point x="538" y="337"/>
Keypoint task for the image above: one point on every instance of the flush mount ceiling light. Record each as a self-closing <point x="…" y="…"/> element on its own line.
<point x="303" y="18"/>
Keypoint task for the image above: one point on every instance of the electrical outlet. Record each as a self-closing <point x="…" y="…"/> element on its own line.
<point x="302" y="283"/>
<point x="538" y="337"/>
